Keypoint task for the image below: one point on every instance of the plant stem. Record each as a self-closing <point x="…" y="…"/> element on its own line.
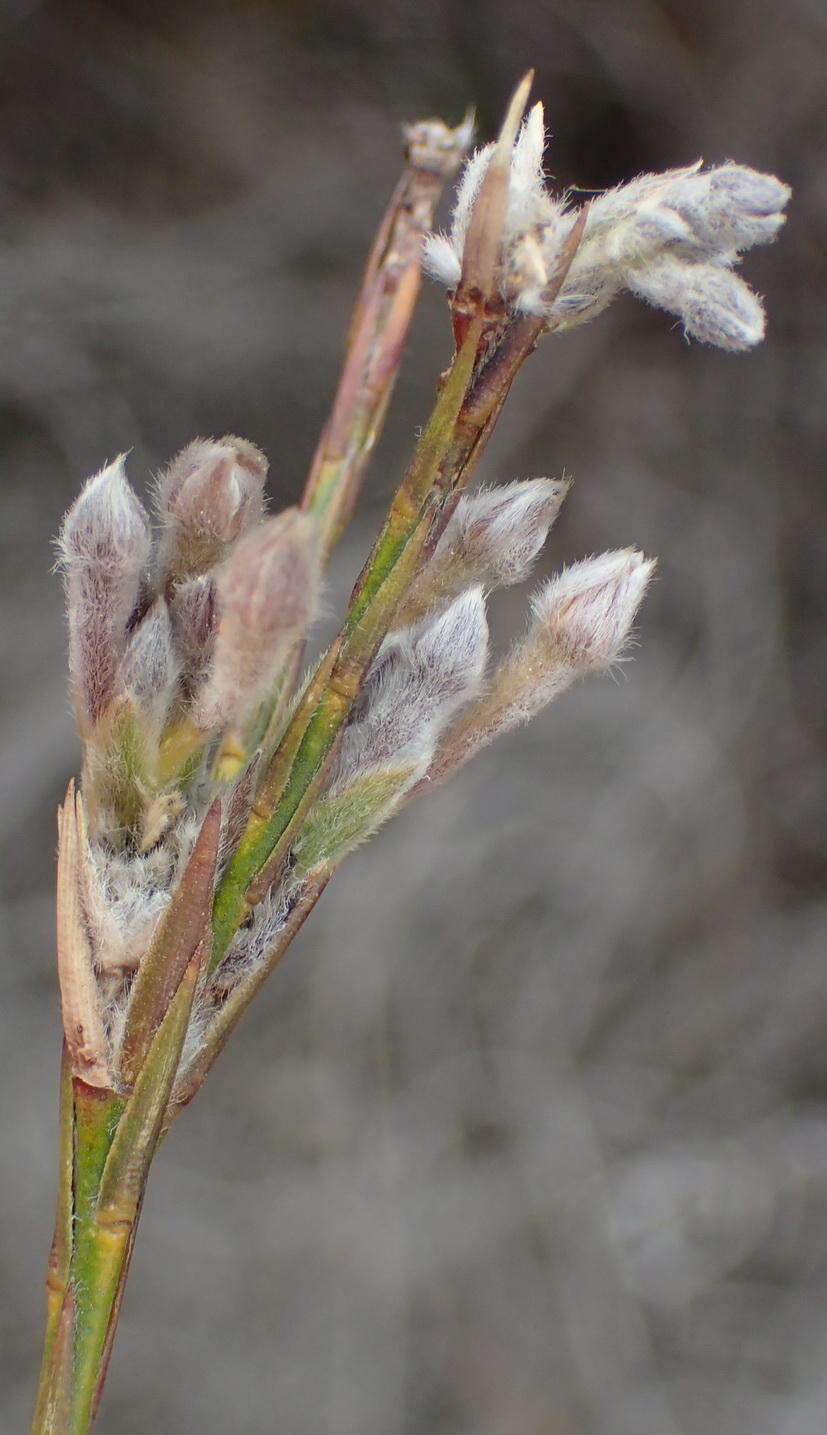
<point x="376" y="338"/>
<point x="114" y="1137"/>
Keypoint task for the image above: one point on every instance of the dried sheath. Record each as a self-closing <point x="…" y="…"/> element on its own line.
<point x="79" y="996"/>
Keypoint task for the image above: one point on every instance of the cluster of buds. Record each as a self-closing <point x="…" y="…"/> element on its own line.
<point x="219" y="789"/>
<point x="671" y="239"/>
<point x="179" y="650"/>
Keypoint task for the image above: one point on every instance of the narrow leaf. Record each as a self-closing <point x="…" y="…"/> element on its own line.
<point x="124" y="1174"/>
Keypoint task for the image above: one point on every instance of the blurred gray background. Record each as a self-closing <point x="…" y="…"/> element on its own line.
<point x="528" y="1135"/>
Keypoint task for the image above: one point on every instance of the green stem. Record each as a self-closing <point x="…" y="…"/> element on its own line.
<point x="115" y="1137"/>
<point x="96" y="1262"/>
<point x="60" y="1255"/>
<point x="378" y="592"/>
<point x="76" y="1336"/>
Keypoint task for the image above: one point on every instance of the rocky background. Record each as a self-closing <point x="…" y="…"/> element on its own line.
<point x="529" y="1134"/>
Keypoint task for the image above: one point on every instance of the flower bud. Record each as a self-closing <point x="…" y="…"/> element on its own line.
<point x="148" y="671"/>
<point x="418" y="680"/>
<point x="104" y="547"/>
<point x="207" y="497"/>
<point x="730" y="207"/>
<point x="528" y="207"/>
<point x="493" y="538"/>
<point x="266" y="595"/>
<point x="586" y="611"/>
<point x="716" y="306"/>
<point x="580" y="622"/>
<point x="671" y="239"/>
<point x="193" y="619"/>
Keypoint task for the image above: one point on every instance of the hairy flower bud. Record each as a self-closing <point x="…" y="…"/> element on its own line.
<point x="148" y="671"/>
<point x="671" y="239"/>
<point x="418" y="680"/>
<point x="586" y="611"/>
<point x="104" y="548"/>
<point x="193" y="619"/>
<point x="528" y="206"/>
<point x="493" y="538"/>
<point x="580" y="622"/>
<point x="730" y="207"/>
<point x="210" y="494"/>
<point x="716" y="306"/>
<point x="266" y="595"/>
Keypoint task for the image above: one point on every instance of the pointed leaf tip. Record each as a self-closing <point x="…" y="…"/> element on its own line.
<point x="513" y="118"/>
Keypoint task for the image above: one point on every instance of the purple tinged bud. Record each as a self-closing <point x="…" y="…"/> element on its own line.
<point x="148" y="672"/>
<point x="419" y="679"/>
<point x="193" y="617"/>
<point x="503" y="530"/>
<point x="588" y="609"/>
<point x="580" y="622"/>
<point x="493" y="538"/>
<point x="450" y="653"/>
<point x="266" y="596"/>
<point x="265" y="585"/>
<point x="104" y="546"/>
<point x="207" y="497"/>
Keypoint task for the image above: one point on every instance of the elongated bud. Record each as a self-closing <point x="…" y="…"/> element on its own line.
<point x="267" y="593"/>
<point x="210" y="494"/>
<point x="420" y="677"/>
<point x="730" y="207"/>
<point x="672" y="239"/>
<point x="580" y="623"/>
<point x="148" y="672"/>
<point x="104" y="547"/>
<point x="587" y="610"/>
<point x="492" y="538"/>
<point x="192" y="614"/>
<point x="716" y="306"/>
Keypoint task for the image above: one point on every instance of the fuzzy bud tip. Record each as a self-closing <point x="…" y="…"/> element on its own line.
<point x="589" y="608"/>
<point x="107" y="521"/>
